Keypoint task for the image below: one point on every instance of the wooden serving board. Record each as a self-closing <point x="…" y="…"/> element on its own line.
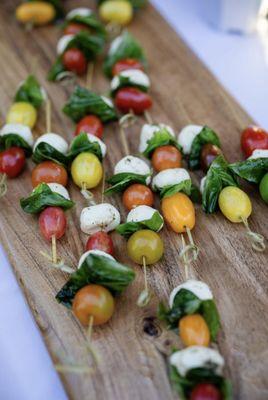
<point x="133" y="346"/>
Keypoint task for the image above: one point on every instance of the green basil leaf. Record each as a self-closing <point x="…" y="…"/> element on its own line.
<point x="251" y="170"/>
<point x="80" y="144"/>
<point x="11" y="140"/>
<point x="96" y="270"/>
<point x="91" y="21"/>
<point x="154" y="224"/>
<point x="160" y="138"/>
<point x="42" y="197"/>
<point x="56" y="69"/>
<point x="128" y="48"/>
<point x="57" y="4"/>
<point x="45" y="151"/>
<point x="226" y="390"/>
<point x="184" y="186"/>
<point x="211" y="315"/>
<point x="207" y="135"/>
<point x="90" y="45"/>
<point x="179" y="384"/>
<point x="218" y="176"/>
<point x="195" y="194"/>
<point x="83" y="102"/>
<point x="125" y="81"/>
<point x="121" y="181"/>
<point x="30" y="91"/>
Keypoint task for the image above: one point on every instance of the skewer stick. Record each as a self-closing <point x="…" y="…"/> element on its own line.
<point x="89" y="77"/>
<point x="125" y="122"/>
<point x="103" y="186"/>
<point x="48" y="116"/>
<point x="256" y="239"/>
<point x="89" y="346"/>
<point x="148" y="117"/>
<point x="3" y="185"/>
<point x="54" y="249"/>
<point x="113" y="30"/>
<point x="185" y="260"/>
<point x="60" y="264"/>
<point x="87" y="194"/>
<point x="145" y="296"/>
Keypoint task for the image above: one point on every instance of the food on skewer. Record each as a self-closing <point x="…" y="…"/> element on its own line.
<point x="100" y="217"/>
<point x="141" y="217"/>
<point x="83" y="19"/>
<point x="39" y="13"/>
<point x="100" y="241"/>
<point x="253" y="138"/>
<point x="137" y="195"/>
<point x="49" y="172"/>
<point x="50" y="146"/>
<point x="119" y="12"/>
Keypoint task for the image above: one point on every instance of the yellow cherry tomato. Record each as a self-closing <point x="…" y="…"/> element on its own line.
<point x="178" y="211"/>
<point x="36" y="12"/>
<point x="22" y="112"/>
<point x="194" y="330"/>
<point x="145" y="243"/>
<point x="116" y="11"/>
<point x="86" y="170"/>
<point x="235" y="204"/>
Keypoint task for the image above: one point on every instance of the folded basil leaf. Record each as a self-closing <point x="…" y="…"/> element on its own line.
<point x="96" y="270"/>
<point x="154" y="224"/>
<point x="83" y="102"/>
<point x="207" y="135"/>
<point x="91" y="21"/>
<point x="184" y="186"/>
<point x="128" y="48"/>
<point x="44" y="151"/>
<point x="252" y="170"/>
<point x="30" y="91"/>
<point x="57" y="4"/>
<point x="90" y="45"/>
<point x="125" y="81"/>
<point x="218" y="177"/>
<point x="160" y="138"/>
<point x="41" y="197"/>
<point x="80" y="144"/>
<point x="195" y="194"/>
<point x="211" y="315"/>
<point x="121" y="181"/>
<point x="11" y="140"/>
<point x="56" y="69"/>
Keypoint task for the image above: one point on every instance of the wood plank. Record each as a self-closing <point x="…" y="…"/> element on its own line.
<point x="132" y="351"/>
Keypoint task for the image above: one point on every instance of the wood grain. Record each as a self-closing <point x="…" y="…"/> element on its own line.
<point x="133" y="345"/>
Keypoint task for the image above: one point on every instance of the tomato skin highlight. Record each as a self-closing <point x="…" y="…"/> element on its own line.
<point x="252" y="138"/>
<point x="205" y="391"/>
<point x="125" y="64"/>
<point x="12" y="161"/>
<point x="52" y="221"/>
<point x="100" y="241"/>
<point x="75" y="61"/>
<point x="208" y="153"/>
<point x="130" y="98"/>
<point x="49" y="172"/>
<point x="179" y="213"/>
<point x="194" y="330"/>
<point x="137" y="195"/>
<point x="93" y="300"/>
<point x="90" y="124"/>
<point x="165" y="157"/>
<point x="73" y="28"/>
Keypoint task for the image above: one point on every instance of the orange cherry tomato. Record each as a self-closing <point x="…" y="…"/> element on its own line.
<point x="178" y="211"/>
<point x="194" y="330"/>
<point x="137" y="195"/>
<point x="90" y="124"/>
<point x="127" y="63"/>
<point x="74" y="28"/>
<point x="49" y="172"/>
<point x="75" y="61"/>
<point x="165" y="157"/>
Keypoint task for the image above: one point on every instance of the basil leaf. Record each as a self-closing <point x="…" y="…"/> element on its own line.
<point x="219" y="176"/>
<point x="128" y="48"/>
<point x="207" y="135"/>
<point x="179" y="384"/>
<point x="96" y="270"/>
<point x="125" y="81"/>
<point x="45" y="151"/>
<point x="211" y="315"/>
<point x="91" y="21"/>
<point x="80" y="144"/>
<point x="184" y="186"/>
<point x="154" y="224"/>
<point x="160" y="138"/>
<point x="90" y="45"/>
<point x="121" y="181"/>
<point x="56" y="69"/>
<point x="30" y="91"/>
<point x="251" y="170"/>
<point x="195" y="194"/>
<point x="41" y="197"/>
<point x="11" y="140"/>
<point x="57" y="4"/>
<point x="83" y="102"/>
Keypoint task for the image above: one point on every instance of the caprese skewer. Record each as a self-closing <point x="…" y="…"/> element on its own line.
<point x="39" y="13"/>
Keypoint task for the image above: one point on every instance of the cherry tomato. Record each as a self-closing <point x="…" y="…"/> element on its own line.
<point x="145" y="243"/>
<point x="208" y="153"/>
<point x="75" y="61"/>
<point x="22" y="112"/>
<point x="118" y="12"/>
<point x="86" y="169"/>
<point x="130" y="98"/>
<point x="127" y="63"/>
<point x="205" y="391"/>
<point x="253" y="138"/>
<point x="49" y="172"/>
<point x="264" y="188"/>
<point x="137" y="195"/>
<point x="73" y="28"/>
<point x="93" y="300"/>
<point x="194" y="330"/>
<point x="52" y="221"/>
<point x="179" y="213"/>
<point x="235" y="204"/>
<point x="90" y="124"/>
<point x="100" y="241"/>
<point x="12" y="161"/>
<point x="165" y="157"/>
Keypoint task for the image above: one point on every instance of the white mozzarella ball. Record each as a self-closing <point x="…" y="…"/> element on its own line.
<point x="100" y="217"/>
<point x="96" y="253"/>
<point x="202" y="184"/>
<point x="115" y="44"/>
<point x="168" y="177"/>
<point x="134" y="165"/>
<point x="19" y="129"/>
<point x="143" y="213"/>
<point x="79" y="12"/>
<point x="135" y="77"/>
<point x="187" y="136"/>
<point x="63" y="43"/>
<point x="93" y="138"/>
<point x="148" y="131"/>
<point x="60" y="189"/>
<point x="198" y="288"/>
<point x="54" y="140"/>
<point x="258" y="153"/>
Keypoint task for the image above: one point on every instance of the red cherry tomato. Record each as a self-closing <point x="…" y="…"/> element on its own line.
<point x="205" y="391"/>
<point x="127" y="63"/>
<point x="165" y="157"/>
<point x="90" y="124"/>
<point x="137" y="195"/>
<point x="74" y="28"/>
<point x="130" y="98"/>
<point x="252" y="138"/>
<point x="52" y="221"/>
<point x="49" y="172"/>
<point x="100" y="241"/>
<point x="75" y="61"/>
<point x="12" y="161"/>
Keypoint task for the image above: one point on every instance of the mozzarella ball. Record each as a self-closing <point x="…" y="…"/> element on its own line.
<point x="143" y="213"/>
<point x="168" y="177"/>
<point x="134" y="165"/>
<point x="258" y="153"/>
<point x="148" y="131"/>
<point x="93" y="138"/>
<point x="135" y="77"/>
<point x="198" y="288"/>
<point x="96" y="253"/>
<point x="54" y="140"/>
<point x="79" y="12"/>
<point x="187" y="136"/>
<point x="19" y="129"/>
<point x="100" y="217"/>
<point x="58" y="188"/>
<point x="202" y="184"/>
<point x="63" y="43"/>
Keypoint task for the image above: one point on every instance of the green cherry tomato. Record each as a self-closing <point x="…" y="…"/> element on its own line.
<point x="264" y="188"/>
<point x="235" y="204"/>
<point x="145" y="243"/>
<point x="86" y="170"/>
